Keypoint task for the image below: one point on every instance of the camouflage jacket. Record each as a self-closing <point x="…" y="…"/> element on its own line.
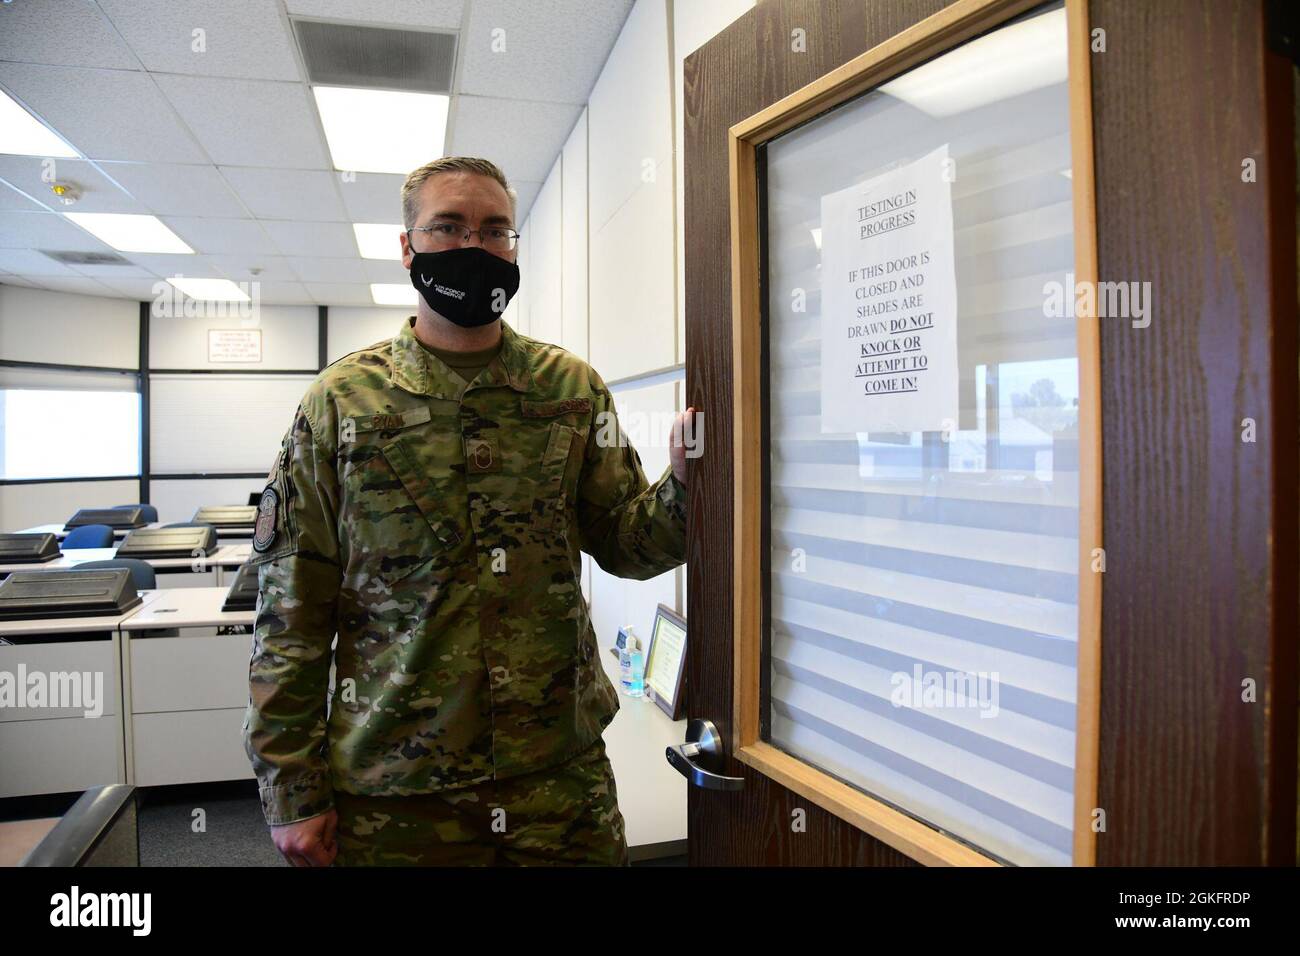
<point x="435" y="527"/>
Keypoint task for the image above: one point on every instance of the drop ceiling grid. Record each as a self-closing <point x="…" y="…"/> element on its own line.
<point x="226" y="147"/>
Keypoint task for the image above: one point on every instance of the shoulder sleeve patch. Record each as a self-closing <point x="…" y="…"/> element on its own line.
<point x="267" y="512"/>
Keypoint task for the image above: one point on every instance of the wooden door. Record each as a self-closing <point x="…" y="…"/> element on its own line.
<point x="1186" y="704"/>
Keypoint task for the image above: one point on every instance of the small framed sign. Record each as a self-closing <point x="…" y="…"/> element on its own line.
<point x="665" y="662"/>
<point x="234" y="345"/>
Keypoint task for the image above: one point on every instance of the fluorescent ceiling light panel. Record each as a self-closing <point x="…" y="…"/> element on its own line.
<point x="380" y="131"/>
<point x="210" y="290"/>
<point x="1008" y="62"/>
<point x="378" y="240"/>
<point x="392" y="293"/>
<point x="130" y="233"/>
<point x="23" y="134"/>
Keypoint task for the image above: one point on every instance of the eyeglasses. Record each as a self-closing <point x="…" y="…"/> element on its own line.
<point x="446" y="235"/>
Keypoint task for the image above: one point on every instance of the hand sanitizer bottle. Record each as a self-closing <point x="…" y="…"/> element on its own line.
<point x="625" y="659"/>
<point x="637" y="688"/>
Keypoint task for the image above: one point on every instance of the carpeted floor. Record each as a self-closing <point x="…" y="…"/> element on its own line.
<point x="233" y="832"/>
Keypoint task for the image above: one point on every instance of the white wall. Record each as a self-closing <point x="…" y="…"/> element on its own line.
<point x="545" y="261"/>
<point x="351" y="329"/>
<point x="288" y="339"/>
<point x="41" y="326"/>
<point x="630" y="194"/>
<point x="573" y="239"/>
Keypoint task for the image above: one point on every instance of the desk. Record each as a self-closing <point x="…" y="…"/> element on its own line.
<point x="185" y="689"/>
<point x="226" y="557"/>
<point x="52" y="750"/>
<point x="651" y="794"/>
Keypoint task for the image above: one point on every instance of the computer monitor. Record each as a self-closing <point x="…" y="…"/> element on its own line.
<point x="227" y="516"/>
<point x="188" y="542"/>
<point x="28" y="548"/>
<point x="132" y="517"/>
<point x="242" y="595"/>
<point x="41" y="595"/>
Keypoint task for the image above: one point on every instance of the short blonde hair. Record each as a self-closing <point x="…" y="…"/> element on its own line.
<point x="451" y="164"/>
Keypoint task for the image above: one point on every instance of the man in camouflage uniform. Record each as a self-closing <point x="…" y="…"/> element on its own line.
<point x="435" y="526"/>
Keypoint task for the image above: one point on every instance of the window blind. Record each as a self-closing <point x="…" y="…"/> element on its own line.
<point x="221" y="423"/>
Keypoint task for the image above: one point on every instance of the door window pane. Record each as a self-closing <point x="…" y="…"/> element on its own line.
<point x="924" y="586"/>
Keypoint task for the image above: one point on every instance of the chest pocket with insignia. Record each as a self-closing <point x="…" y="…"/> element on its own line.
<point x="396" y="477"/>
<point x="561" y="464"/>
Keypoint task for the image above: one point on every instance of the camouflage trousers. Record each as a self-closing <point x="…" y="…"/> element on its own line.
<point x="562" y="816"/>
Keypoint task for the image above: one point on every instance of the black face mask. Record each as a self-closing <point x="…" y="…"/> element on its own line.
<point x="469" y="286"/>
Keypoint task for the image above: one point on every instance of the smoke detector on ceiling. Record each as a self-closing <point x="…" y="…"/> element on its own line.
<point x="66" y="193"/>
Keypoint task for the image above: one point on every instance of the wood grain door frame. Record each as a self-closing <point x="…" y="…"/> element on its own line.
<point x="930" y="37"/>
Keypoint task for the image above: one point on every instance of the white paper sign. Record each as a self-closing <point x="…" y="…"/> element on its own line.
<point x="234" y="345"/>
<point x="889" y="302"/>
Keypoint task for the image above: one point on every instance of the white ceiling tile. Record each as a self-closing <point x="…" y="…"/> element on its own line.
<point x="169" y="190"/>
<point x="338" y="293"/>
<point x="373" y="197"/>
<point x="285" y="293"/>
<point x="521" y="137"/>
<point x="532" y="35"/>
<point x="307" y="195"/>
<point x="222" y="235"/>
<point x="249" y="122"/>
<point x="26" y="283"/>
<point x="329" y="239"/>
<point x="78" y="285"/>
<point x="321" y="269"/>
<point x="106" y="114"/>
<point x="400" y="13"/>
<point x="166" y="266"/>
<point x="239" y="268"/>
<point x="386" y="270"/>
<point x="29" y="262"/>
<point x="140" y="289"/>
<point x="45" y="230"/>
<point x="83" y="37"/>
<point x="11" y="198"/>
<point x="248" y="40"/>
<point x="98" y="194"/>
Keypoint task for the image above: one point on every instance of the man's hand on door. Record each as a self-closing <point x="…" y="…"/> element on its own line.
<point x="683" y="424"/>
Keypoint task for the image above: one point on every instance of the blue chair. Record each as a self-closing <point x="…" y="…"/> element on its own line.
<point x="142" y="573"/>
<point x="88" y="536"/>
<point x="148" y="512"/>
